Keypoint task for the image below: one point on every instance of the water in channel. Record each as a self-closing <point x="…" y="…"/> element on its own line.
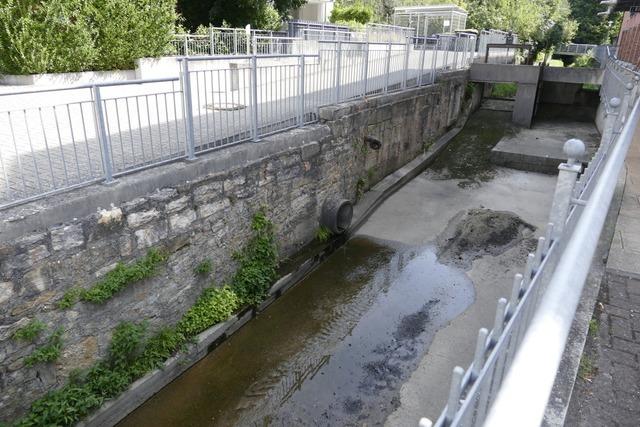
<point x="334" y="350"/>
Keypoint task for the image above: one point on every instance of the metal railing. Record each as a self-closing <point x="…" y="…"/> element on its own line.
<point x="220" y="41"/>
<point x="576" y="49"/>
<point x="515" y="363"/>
<point x="55" y="139"/>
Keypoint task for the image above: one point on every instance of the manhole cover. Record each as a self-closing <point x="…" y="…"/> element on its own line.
<point x="229" y="106"/>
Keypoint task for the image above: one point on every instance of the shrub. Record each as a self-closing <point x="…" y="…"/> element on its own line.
<point x="130" y="29"/>
<point x="357" y="12"/>
<point x="257" y="263"/>
<point x="45" y="36"/>
<point x="123" y="275"/>
<point x="30" y="331"/>
<point x="213" y="306"/>
<point x="47" y="353"/>
<point x="204" y="268"/>
<point x="57" y="36"/>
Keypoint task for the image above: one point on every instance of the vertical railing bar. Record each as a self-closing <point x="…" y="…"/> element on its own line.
<point x="185" y="79"/>
<point x="102" y="135"/>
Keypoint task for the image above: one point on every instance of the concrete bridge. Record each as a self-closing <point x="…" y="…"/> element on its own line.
<point x="531" y="79"/>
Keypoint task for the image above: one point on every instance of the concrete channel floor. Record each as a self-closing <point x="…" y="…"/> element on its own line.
<point x="416" y="215"/>
<point x="607" y="390"/>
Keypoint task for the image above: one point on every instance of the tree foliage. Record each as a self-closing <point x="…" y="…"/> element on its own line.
<point x="544" y="22"/>
<point x="38" y="36"/>
<point x="357" y="12"/>
<point x="593" y="29"/>
<point x="265" y="14"/>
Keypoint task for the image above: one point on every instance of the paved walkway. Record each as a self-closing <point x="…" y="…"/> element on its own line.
<point x="607" y="391"/>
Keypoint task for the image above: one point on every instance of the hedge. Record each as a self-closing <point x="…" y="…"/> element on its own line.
<point x="56" y="36"/>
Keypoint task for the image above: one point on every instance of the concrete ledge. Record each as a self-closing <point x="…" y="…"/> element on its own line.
<point x="61" y="79"/>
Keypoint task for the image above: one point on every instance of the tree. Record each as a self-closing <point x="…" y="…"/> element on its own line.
<point x="236" y="13"/>
<point x="543" y="22"/>
<point x="593" y="29"/>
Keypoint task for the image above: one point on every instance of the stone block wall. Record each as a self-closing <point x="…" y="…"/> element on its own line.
<point x="204" y="217"/>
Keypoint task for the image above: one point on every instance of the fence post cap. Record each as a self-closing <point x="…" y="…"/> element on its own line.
<point x="629" y="85"/>
<point x="574" y="148"/>
<point x="615" y="102"/>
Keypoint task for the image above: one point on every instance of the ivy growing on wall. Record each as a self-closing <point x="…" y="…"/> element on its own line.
<point x="117" y="279"/>
<point x="133" y="352"/>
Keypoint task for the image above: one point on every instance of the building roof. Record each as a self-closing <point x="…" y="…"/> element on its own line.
<point x="624" y="5"/>
<point x="429" y="9"/>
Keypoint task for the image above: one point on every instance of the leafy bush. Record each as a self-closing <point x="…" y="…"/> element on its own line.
<point x="47" y="353"/>
<point x="45" y="36"/>
<point x="584" y="61"/>
<point x="357" y="12"/>
<point x="130" y="29"/>
<point x="213" y="306"/>
<point x="257" y="263"/>
<point x="56" y="36"/>
<point x="123" y="275"/>
<point x="30" y="331"/>
<point x="204" y="268"/>
<point x="323" y="234"/>
<point x="504" y="90"/>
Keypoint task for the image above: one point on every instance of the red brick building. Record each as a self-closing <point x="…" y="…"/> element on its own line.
<point x="629" y="37"/>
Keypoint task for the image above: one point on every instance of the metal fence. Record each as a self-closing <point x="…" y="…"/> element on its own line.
<point x="55" y="139"/>
<point x="515" y="363"/>
<point x="220" y="41"/>
<point x="576" y="49"/>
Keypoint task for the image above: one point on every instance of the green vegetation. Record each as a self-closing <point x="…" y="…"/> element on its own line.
<point x="133" y="353"/>
<point x="47" y="353"/>
<point x="30" y="331"/>
<point x="264" y="14"/>
<point x="587" y="368"/>
<point x="57" y="36"/>
<point x="594" y="29"/>
<point x="594" y="327"/>
<point x="213" y="306"/>
<point x="69" y="298"/>
<point x="323" y="234"/>
<point x="114" y="281"/>
<point x="360" y="186"/>
<point x="584" y="61"/>
<point x="257" y="263"/>
<point x="504" y="90"/>
<point x="204" y="268"/>
<point x="353" y="15"/>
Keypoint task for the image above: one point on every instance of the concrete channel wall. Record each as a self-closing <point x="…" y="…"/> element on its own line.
<point x="195" y="211"/>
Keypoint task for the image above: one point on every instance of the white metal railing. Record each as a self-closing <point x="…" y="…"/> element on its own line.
<point x="515" y="363"/>
<point x="576" y="49"/>
<point x="54" y="139"/>
<point x="220" y="41"/>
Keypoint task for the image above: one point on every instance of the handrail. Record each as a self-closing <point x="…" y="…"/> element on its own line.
<point x="525" y="392"/>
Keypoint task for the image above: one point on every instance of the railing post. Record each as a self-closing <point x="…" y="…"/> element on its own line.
<point x="611" y="116"/>
<point x="185" y="81"/>
<point x="301" y="91"/>
<point x="186" y="45"/>
<point x="423" y="53"/>
<point x="574" y="149"/>
<point x="338" y="71"/>
<point x="434" y="64"/>
<point x="254" y="98"/>
<point x="235" y="41"/>
<point x="211" y="50"/>
<point x="103" y="137"/>
<point x="387" y="68"/>
<point x="365" y="72"/>
<point x="405" y="72"/>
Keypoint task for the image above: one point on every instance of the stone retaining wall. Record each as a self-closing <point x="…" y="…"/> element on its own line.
<point x="202" y="211"/>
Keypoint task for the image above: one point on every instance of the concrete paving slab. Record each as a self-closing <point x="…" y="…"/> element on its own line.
<point x="539" y="149"/>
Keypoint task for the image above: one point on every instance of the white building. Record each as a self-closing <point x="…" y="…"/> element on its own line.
<point x="314" y="10"/>
<point x="429" y="20"/>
